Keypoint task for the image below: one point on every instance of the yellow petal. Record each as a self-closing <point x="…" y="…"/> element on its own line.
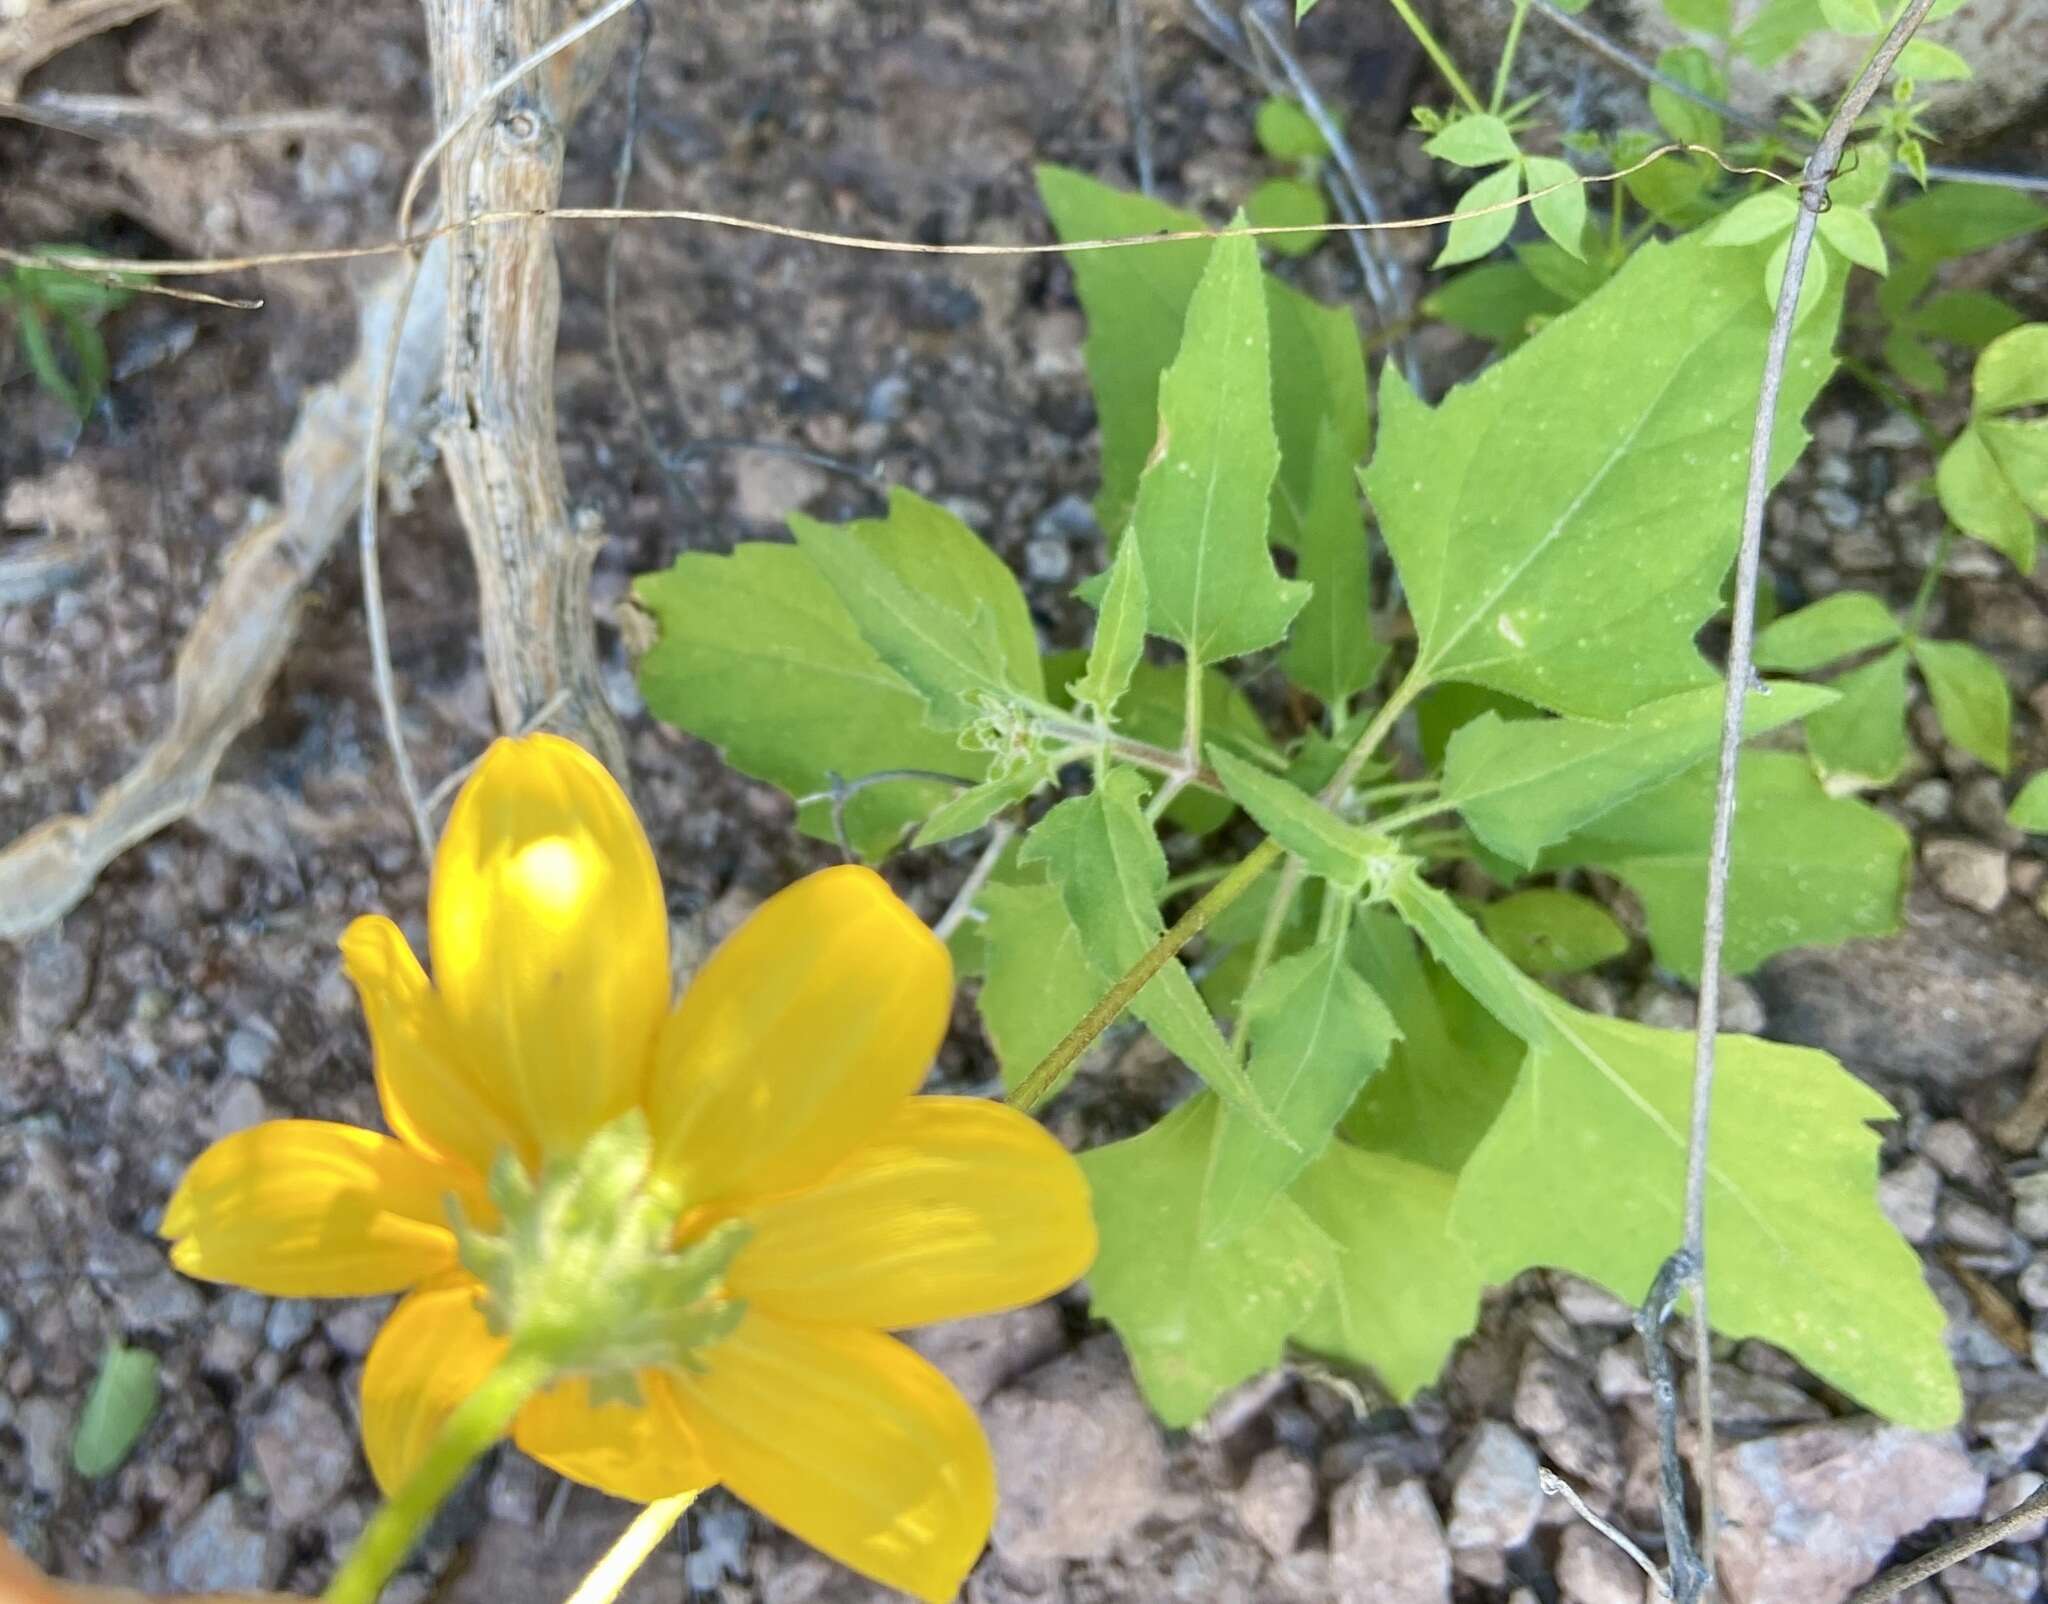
<point x="798" y="1037"/>
<point x="549" y="936"/>
<point x="956" y="1207"/>
<point x="639" y="1452"/>
<point x="433" y="1352"/>
<point x="853" y="1443"/>
<point x="433" y="1098"/>
<point x="305" y="1209"/>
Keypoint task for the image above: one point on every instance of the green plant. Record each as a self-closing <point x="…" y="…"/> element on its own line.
<point x="56" y="312"/>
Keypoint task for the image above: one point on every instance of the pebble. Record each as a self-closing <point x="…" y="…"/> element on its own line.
<point x="1744" y="1402"/>
<point x="1276" y="1501"/>
<point x="2011" y="1415"/>
<point x="1586" y="1303"/>
<point x="353" y="1326"/>
<point x="983" y="1355"/>
<point x="1070" y="519"/>
<point x="1957" y="1153"/>
<point x="216" y="1552"/>
<point x="1591" y="1570"/>
<point x="1989" y="1581"/>
<point x="1495" y="1492"/>
<point x="1908" y="1195"/>
<point x="1386" y="1544"/>
<point x="249" y="1050"/>
<point x="1930" y="800"/>
<point x="1077" y="1455"/>
<point x="1554" y="1403"/>
<point x="288" y="1324"/>
<point x="1618" y="1373"/>
<point x="1976" y="1229"/>
<point x="235" y="1105"/>
<point x="304" y="1450"/>
<point x="1812" y="1512"/>
<point x="1980" y="803"/>
<point x="50" y="989"/>
<point x="45" y="1428"/>
<point x="2008" y="1494"/>
<point x="2030" y="1205"/>
<point x="1048" y="562"/>
<point x="1968" y="873"/>
<point x="2033" y="1283"/>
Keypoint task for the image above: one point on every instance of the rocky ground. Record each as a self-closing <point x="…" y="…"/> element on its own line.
<point x="197" y="991"/>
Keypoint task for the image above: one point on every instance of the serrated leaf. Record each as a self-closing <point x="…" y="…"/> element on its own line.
<point x="1196" y="1320"/>
<point x="1477" y="965"/>
<point x="1201" y="513"/>
<point x="2012" y="371"/>
<point x="1333" y="652"/>
<point x="1687" y="120"/>
<point x="117" y="1411"/>
<point x="1755" y="220"/>
<point x="1287" y="133"/>
<point x="1852" y="16"/>
<point x="1544" y="931"/>
<point x="1119" y="635"/>
<point x="933" y="602"/>
<point x="1981" y="501"/>
<point x="1950" y="220"/>
<point x="1585" y="1171"/>
<point x="1855" y="235"/>
<point x="1478" y="140"/>
<point x="1287" y="203"/>
<point x="1478" y="227"/>
<point x="1971" y="699"/>
<point x="1318" y="1032"/>
<point x="1562" y="522"/>
<point x="1525" y="784"/>
<point x="1835" y="626"/>
<point x="2029" y="809"/>
<point x="1319" y="380"/>
<point x="1106" y="862"/>
<point x="1808" y="870"/>
<point x="1037" y="981"/>
<point x="1558" y="200"/>
<point x="1925" y="62"/>
<point x="756" y="655"/>
<point x="976" y="805"/>
<point x="1404" y="1290"/>
<point x="1860" y="743"/>
<point x="1330" y="848"/>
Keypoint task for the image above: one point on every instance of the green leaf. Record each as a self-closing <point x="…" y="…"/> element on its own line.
<point x="1201" y="514"/>
<point x="1474" y="962"/>
<point x="756" y="655"/>
<point x="1038" y="980"/>
<point x="1562" y="212"/>
<point x="1303" y="7"/>
<point x="1913" y="362"/>
<point x="1318" y="1032"/>
<point x="1950" y="220"/>
<point x="1835" y="626"/>
<point x="117" y="1411"/>
<point x="1864" y="175"/>
<point x="1779" y="28"/>
<point x="1318" y="379"/>
<point x="1287" y="133"/>
<point x="1549" y="932"/>
<point x="1755" y="220"/>
<point x="2029" y="809"/>
<point x="1333" y="652"/>
<point x="1860" y="742"/>
<point x="976" y="805"/>
<point x="1196" y="1319"/>
<point x="1572" y="278"/>
<point x="1981" y="501"/>
<point x="1971" y="698"/>
<point x="1684" y="119"/>
<point x="2012" y="372"/>
<point x="1925" y="62"/>
<point x="1287" y="203"/>
<point x="42" y="360"/>
<point x="1852" y="16"/>
<point x="1476" y="229"/>
<point x="1808" y="869"/>
<point x="1585" y="1171"/>
<point x="2020" y="448"/>
<point x="1966" y="317"/>
<point x="1105" y="860"/>
<point x="1562" y="522"/>
<point x="1339" y="852"/>
<point x="1404" y="1290"/>
<point x="1478" y="140"/>
<point x="1702" y="16"/>
<point x="1854" y="234"/>
<point x="1499" y="301"/>
<point x="1119" y="636"/>
<point x="933" y="602"/>
<point x="1525" y="784"/>
<point x="1812" y="288"/>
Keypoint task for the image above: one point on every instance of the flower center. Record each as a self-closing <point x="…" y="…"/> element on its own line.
<point x="585" y="1269"/>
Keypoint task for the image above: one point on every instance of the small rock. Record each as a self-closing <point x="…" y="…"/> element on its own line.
<point x="353" y="1326"/>
<point x="1810" y="1513"/>
<point x="1048" y="562"/>
<point x="288" y="1324"/>
<point x="2030" y="1205"/>
<point x="1854" y="551"/>
<point x="1386" y="1544"/>
<point x="216" y="1552"/>
<point x="2007" y="1495"/>
<point x="1989" y="1581"/>
<point x="1744" y="1402"/>
<point x="227" y="1351"/>
<point x="1277" y="1499"/>
<point x="1591" y="1570"/>
<point x="1495" y="1492"/>
<point x="249" y="1049"/>
<point x="1967" y="872"/>
<point x="45" y="1427"/>
<point x="1908" y="1196"/>
<point x="719" y="1538"/>
<point x="237" y="1104"/>
<point x="1974" y="1228"/>
<point x="513" y="1491"/>
<point x="1957" y="1153"/>
<point x="1930" y="800"/>
<point x="1555" y="1404"/>
<point x="1077" y="1456"/>
<point x="1980" y="803"/>
<point x="304" y="1451"/>
<point x="2033" y="1284"/>
<point x="1070" y="519"/>
<point x="2012" y="1414"/>
<point x="768" y="486"/>
<point x="983" y="1355"/>
<point x="50" y="989"/>
<point x="1585" y="1303"/>
<point x="1619" y="1374"/>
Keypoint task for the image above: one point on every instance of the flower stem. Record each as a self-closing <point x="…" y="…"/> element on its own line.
<point x="1507" y="56"/>
<point x="478" y="1421"/>
<point x="607" y="1579"/>
<point x="1438" y="55"/>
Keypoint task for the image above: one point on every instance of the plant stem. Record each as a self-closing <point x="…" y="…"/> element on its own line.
<point x="1507" y="56"/>
<point x="1291" y="876"/>
<point x="1190" y="746"/>
<point x="977" y="877"/>
<point x="1923" y="598"/>
<point x="607" y="1579"/>
<point x="478" y="1422"/>
<point x="1369" y="739"/>
<point x="1438" y="56"/>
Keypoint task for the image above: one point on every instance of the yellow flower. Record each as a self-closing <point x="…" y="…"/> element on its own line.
<point x="778" y="1093"/>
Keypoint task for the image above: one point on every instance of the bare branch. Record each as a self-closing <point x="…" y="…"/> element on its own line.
<point x="1557" y="1487"/>
<point x="1898" y="1579"/>
<point x="1131" y="64"/>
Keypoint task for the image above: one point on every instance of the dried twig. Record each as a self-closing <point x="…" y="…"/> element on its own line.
<point x="1692" y="1568"/>
<point x="134" y="117"/>
<point x="1898" y="1579"/>
<point x="1557" y="1487"/>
